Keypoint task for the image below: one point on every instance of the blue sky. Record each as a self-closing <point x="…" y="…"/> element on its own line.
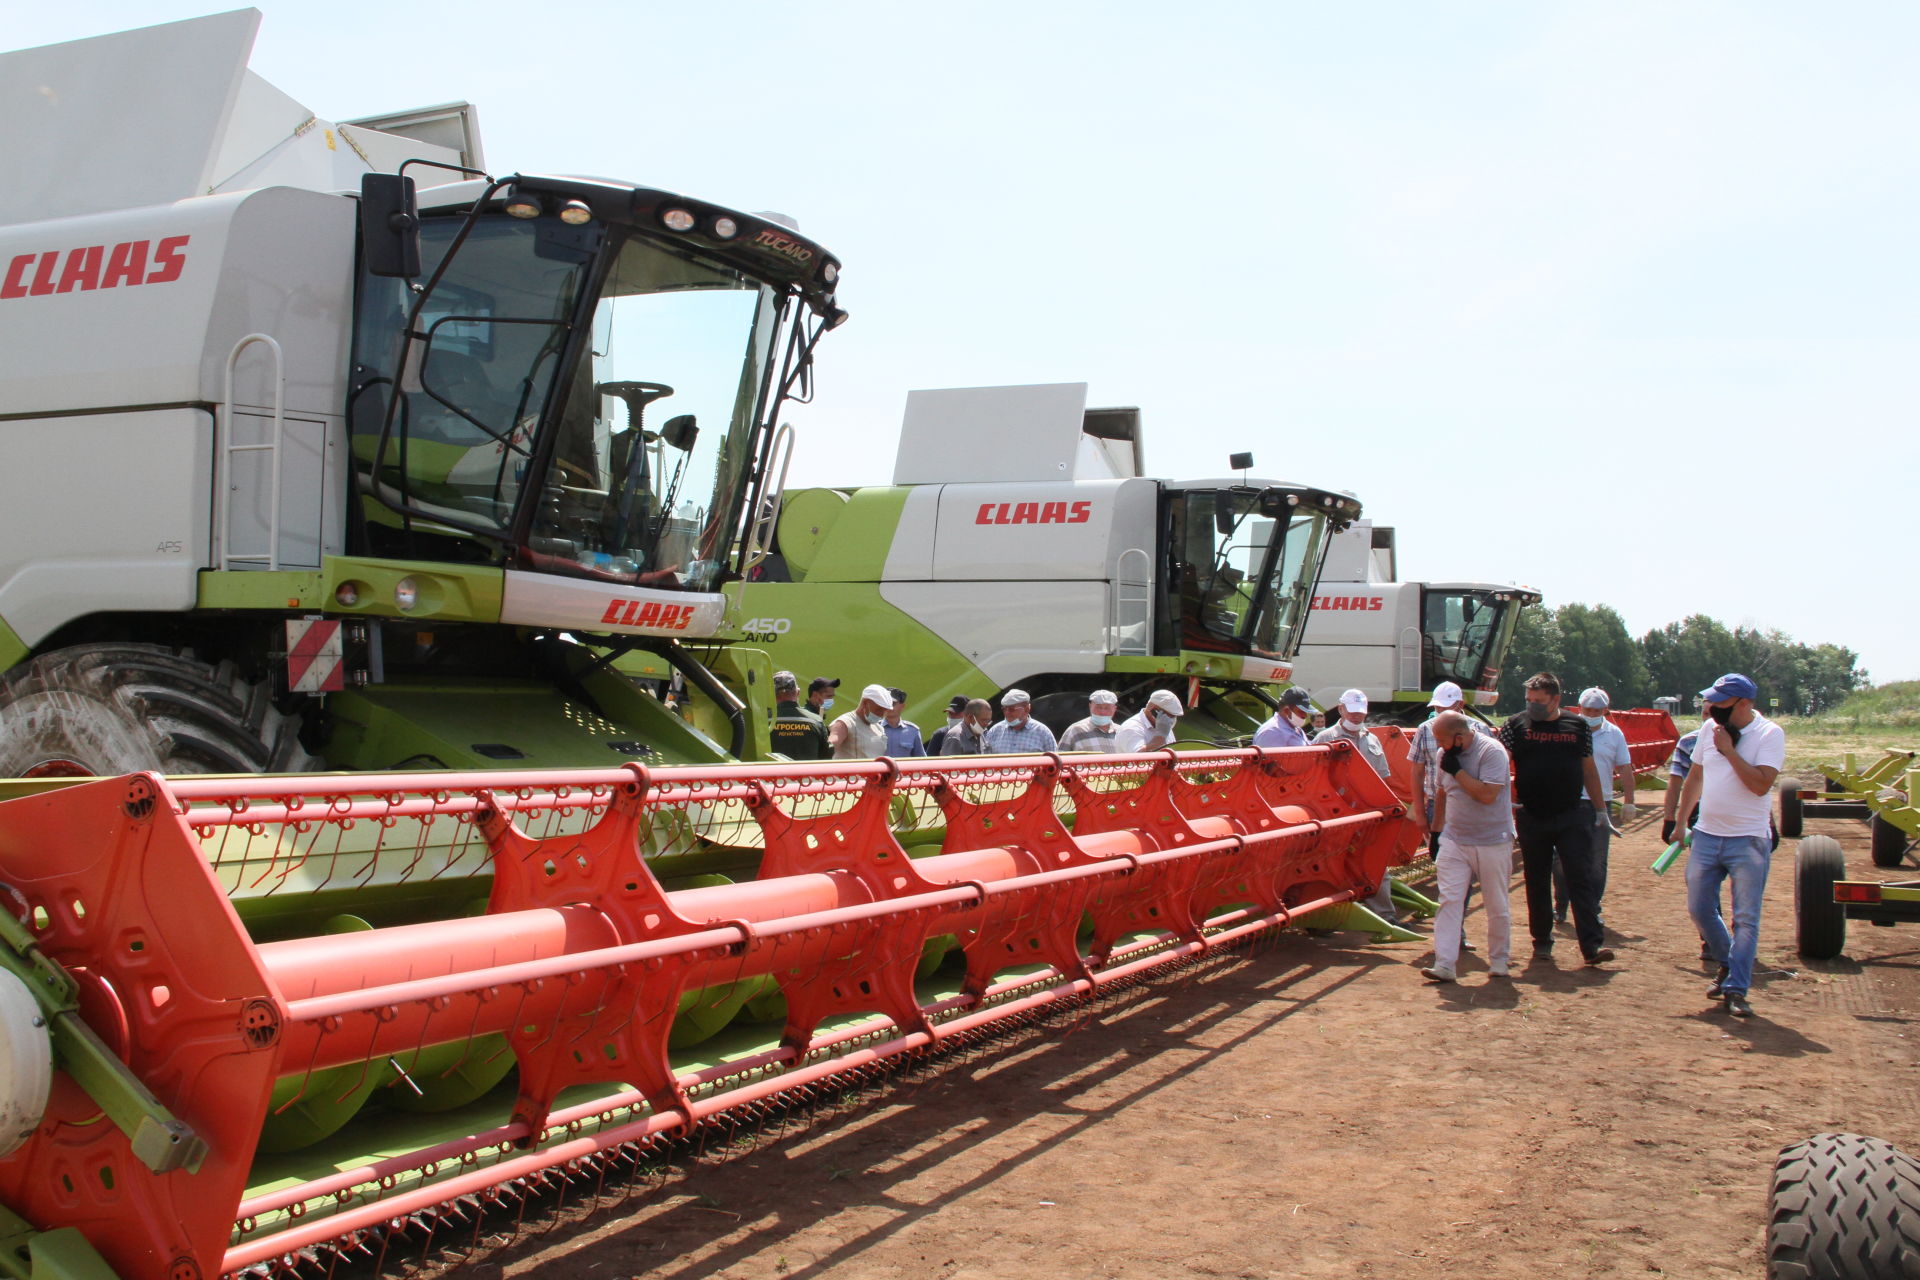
<point x="1621" y="301"/>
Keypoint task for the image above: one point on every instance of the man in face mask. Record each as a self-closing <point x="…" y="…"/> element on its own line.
<point x="820" y="696"/>
<point x="1475" y="810"/>
<point x="1018" y="733"/>
<point x="796" y="732"/>
<point x="956" y="712"/>
<point x="1736" y="758"/>
<point x="1153" y="726"/>
<point x="903" y="735"/>
<point x="861" y="734"/>
<point x="969" y="737"/>
<point x="1096" y="732"/>
<point x="1613" y="761"/>
<point x="1560" y="805"/>
<point x="1351" y="728"/>
<point x="1287" y="727"/>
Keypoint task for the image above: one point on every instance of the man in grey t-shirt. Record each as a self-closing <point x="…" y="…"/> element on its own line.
<point x="1474" y="811"/>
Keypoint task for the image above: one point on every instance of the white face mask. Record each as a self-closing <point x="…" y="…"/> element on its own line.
<point x="1353" y="726"/>
<point x="1298" y="719"/>
<point x="1016" y="717"/>
<point x="1100" y="720"/>
<point x="877" y="718"/>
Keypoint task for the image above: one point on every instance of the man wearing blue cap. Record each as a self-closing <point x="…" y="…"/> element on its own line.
<point x="1735" y="760"/>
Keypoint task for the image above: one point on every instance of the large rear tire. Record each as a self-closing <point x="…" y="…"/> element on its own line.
<point x="1792" y="815"/>
<point x="1886" y="843"/>
<point x="1843" y="1207"/>
<point x="107" y="709"/>
<point x="1820" y="923"/>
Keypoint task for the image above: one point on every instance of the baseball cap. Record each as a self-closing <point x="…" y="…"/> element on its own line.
<point x="1167" y="701"/>
<point x="1445" y="694"/>
<point x="1730" y="686"/>
<point x="957" y="703"/>
<point x="879" y="695"/>
<point x="1595" y="697"/>
<point x="1353" y="700"/>
<point x="785" y="680"/>
<point x="821" y="682"/>
<point x="1296" y="697"/>
<point x="1013" y="696"/>
<point x="1105" y="697"/>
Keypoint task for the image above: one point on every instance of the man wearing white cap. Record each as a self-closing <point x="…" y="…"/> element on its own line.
<point x="1351" y="728"/>
<point x="1018" y="733"/>
<point x="861" y="734"/>
<point x="1423" y="754"/>
<point x="1153" y="726"/>
<point x="1097" y="731"/>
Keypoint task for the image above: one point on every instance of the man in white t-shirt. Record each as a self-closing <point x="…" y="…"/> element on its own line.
<point x="1738" y="755"/>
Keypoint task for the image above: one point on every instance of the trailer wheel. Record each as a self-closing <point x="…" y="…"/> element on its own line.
<point x="1886" y="843"/>
<point x="1843" y="1207"/>
<point x="1820" y="923"/>
<point x="95" y="710"/>
<point x="1792" y="815"/>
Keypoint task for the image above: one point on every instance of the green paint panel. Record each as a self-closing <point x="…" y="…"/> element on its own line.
<point x="854" y="548"/>
<point x="12" y="648"/>
<point x="447" y="592"/>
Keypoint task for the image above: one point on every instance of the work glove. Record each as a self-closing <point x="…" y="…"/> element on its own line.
<point x="1629" y="811"/>
<point x="1450" y="760"/>
<point x="1667" y="827"/>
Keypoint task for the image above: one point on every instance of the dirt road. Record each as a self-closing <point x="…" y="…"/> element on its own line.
<point x="1320" y="1110"/>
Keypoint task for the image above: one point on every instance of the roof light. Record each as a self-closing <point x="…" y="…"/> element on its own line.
<point x="522" y="205"/>
<point x="830" y="272"/>
<point x="677" y="220"/>
<point x="575" y="213"/>
<point x="725" y="228"/>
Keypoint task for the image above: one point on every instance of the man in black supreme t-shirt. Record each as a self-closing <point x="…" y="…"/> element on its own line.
<point x="1552" y="768"/>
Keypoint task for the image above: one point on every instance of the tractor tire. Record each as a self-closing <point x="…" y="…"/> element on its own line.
<point x="1792" y="815"/>
<point x="1886" y="843"/>
<point x="1820" y="923"/>
<point x="99" y="710"/>
<point x="1844" y="1207"/>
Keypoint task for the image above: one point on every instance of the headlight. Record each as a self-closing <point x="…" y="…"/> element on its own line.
<point x="523" y="206"/>
<point x="677" y="220"/>
<point x="575" y="213"/>
<point x="406" y="594"/>
<point x="725" y="228"/>
<point x="347" y="595"/>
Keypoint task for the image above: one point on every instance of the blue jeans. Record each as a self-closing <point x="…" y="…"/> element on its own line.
<point x="1743" y="860"/>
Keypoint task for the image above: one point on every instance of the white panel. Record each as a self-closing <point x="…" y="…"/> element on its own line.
<point x="546" y="600"/>
<point x="1011" y="630"/>
<point x="106" y="511"/>
<point x="306" y="491"/>
<point x="1036" y="531"/>
<point x="1361" y="613"/>
<point x="120" y="120"/>
<point x="974" y="434"/>
<point x="911" y="555"/>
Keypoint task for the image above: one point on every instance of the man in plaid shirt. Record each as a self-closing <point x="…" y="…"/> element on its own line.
<point x="1019" y="733"/>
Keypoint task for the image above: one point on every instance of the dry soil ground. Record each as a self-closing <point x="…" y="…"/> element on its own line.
<point x="1320" y="1110"/>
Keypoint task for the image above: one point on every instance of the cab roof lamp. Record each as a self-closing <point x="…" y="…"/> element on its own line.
<point x="576" y="213"/>
<point x="725" y="228"/>
<point x="523" y="205"/>
<point x="830" y="272"/>
<point x="677" y="220"/>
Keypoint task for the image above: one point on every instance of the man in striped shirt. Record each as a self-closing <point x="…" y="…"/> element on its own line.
<point x="1019" y="733"/>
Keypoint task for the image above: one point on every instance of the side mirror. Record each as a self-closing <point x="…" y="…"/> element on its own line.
<point x="389" y="225"/>
<point x="681" y="432"/>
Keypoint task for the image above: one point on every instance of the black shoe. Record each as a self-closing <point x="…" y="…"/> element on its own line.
<point x="1719" y="987"/>
<point x="1543" y="948"/>
<point x="1603" y="956"/>
<point x="1559" y="917"/>
<point x="1737" y="1004"/>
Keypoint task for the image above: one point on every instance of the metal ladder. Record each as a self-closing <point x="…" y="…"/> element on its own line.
<point x="1132" y="603"/>
<point x="223" y="483"/>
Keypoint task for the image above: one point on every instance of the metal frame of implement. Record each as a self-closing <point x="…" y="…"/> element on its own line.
<point x="1059" y="876"/>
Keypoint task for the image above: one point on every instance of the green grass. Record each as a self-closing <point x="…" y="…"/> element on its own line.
<point x="1867" y="723"/>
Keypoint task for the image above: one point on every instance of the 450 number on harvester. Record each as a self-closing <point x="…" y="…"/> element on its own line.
<point x="766" y="630"/>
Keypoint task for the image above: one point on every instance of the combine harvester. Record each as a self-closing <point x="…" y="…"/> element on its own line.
<point x="374" y="481"/>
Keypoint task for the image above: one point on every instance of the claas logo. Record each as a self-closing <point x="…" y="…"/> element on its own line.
<point x="1363" y="603"/>
<point x="95" y="266"/>
<point x="1034" y="513"/>
<point x="648" y="613"/>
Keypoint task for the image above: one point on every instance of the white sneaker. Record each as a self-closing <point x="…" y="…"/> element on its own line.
<point x="1499" y="971"/>
<point x="1434" y="973"/>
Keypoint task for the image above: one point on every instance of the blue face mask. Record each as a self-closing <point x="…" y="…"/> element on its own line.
<point x="877" y="719"/>
<point x="1594" y="722"/>
<point x="826" y="704"/>
<point x="1102" y="721"/>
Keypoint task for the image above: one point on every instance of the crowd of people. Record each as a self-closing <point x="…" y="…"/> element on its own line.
<point x="1548" y="782"/>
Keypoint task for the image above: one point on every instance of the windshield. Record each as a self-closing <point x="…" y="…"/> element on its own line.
<point x="1245" y="561"/>
<point x="1458" y="629"/>
<point x="643" y="483"/>
<point x="650" y="433"/>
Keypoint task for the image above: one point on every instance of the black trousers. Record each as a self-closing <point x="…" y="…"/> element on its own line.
<point x="1570" y="835"/>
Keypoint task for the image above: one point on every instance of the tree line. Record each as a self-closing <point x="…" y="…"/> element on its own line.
<point x="1589" y="645"/>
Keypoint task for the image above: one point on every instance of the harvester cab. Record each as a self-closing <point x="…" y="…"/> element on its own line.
<point x="383" y="458"/>
<point x="1021" y="545"/>
<point x="1396" y="641"/>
